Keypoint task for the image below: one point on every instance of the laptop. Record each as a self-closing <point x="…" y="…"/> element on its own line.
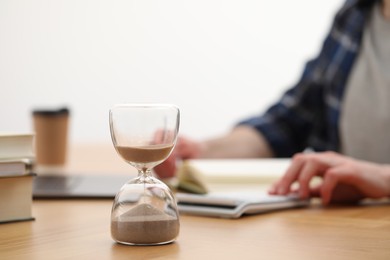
<point x="80" y="186"/>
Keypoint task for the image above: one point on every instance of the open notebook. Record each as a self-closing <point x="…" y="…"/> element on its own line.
<point x="194" y="176"/>
<point x="240" y="170"/>
<point x="235" y="204"/>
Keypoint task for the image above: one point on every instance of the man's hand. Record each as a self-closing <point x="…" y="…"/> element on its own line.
<point x="185" y="149"/>
<point x="344" y="179"/>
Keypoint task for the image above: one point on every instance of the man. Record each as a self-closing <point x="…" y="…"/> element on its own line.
<point x="340" y="104"/>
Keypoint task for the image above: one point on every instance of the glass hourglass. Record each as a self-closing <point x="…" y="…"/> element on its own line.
<point x="144" y="211"/>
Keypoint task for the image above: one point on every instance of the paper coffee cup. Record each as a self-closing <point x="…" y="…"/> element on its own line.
<point x="51" y="136"/>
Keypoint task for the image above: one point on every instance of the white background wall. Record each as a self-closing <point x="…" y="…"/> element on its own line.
<point x="218" y="60"/>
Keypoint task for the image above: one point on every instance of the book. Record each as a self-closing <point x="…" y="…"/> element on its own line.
<point x="16" y="146"/>
<point x="16" y="166"/>
<point x="235" y="204"/>
<point x="16" y="198"/>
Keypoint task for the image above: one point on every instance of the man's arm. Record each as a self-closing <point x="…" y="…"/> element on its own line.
<point x="240" y="142"/>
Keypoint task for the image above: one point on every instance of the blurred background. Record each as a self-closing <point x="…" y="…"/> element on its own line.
<point x="218" y="60"/>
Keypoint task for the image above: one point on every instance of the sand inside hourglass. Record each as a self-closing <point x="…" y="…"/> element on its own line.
<point x="145" y="224"/>
<point x="145" y="154"/>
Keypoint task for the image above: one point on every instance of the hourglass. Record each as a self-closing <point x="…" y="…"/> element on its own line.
<point x="144" y="211"/>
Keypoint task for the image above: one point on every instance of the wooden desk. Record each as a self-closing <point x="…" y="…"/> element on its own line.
<point x="80" y="229"/>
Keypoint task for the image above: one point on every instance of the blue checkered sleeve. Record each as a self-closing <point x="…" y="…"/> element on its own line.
<point x="307" y="115"/>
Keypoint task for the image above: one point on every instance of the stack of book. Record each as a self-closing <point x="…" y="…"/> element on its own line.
<point x="17" y="158"/>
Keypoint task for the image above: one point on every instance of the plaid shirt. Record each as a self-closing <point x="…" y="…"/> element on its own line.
<point x="308" y="114"/>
